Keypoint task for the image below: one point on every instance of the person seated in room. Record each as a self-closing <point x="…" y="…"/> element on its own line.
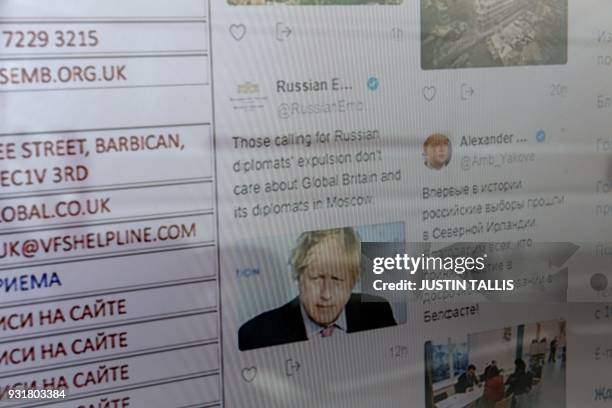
<point x="536" y="369"/>
<point x="520" y="381"/>
<point x="467" y="380"/>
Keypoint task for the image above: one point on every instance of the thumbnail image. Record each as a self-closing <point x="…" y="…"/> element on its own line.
<point x="513" y="367"/>
<point x="437" y="151"/>
<point x="308" y="287"/>
<point x="312" y="2"/>
<point x="492" y="33"/>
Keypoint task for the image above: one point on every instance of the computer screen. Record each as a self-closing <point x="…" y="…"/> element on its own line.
<point x="305" y="203"/>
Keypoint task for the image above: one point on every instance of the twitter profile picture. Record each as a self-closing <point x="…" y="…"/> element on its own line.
<point x="437" y="151"/>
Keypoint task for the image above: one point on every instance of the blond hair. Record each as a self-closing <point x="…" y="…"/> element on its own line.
<point x="348" y="237"/>
<point x="435" y="140"/>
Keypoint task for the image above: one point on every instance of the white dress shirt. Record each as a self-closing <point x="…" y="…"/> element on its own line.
<point x="313" y="329"/>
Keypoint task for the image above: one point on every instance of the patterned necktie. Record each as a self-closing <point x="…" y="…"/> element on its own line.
<point x="328" y="331"/>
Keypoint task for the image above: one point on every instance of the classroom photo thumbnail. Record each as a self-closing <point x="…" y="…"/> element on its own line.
<point x="520" y="366"/>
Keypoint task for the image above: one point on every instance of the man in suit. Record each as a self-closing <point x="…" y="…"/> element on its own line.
<point x="489" y="370"/>
<point x="520" y="381"/>
<point x="467" y="380"/>
<point x="326" y="266"/>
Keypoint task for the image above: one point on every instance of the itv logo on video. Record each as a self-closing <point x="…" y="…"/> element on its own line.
<point x="247" y="272"/>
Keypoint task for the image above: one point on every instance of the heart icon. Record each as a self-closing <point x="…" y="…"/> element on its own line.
<point x="249" y="374"/>
<point x="237" y="31"/>
<point x="429" y="92"/>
